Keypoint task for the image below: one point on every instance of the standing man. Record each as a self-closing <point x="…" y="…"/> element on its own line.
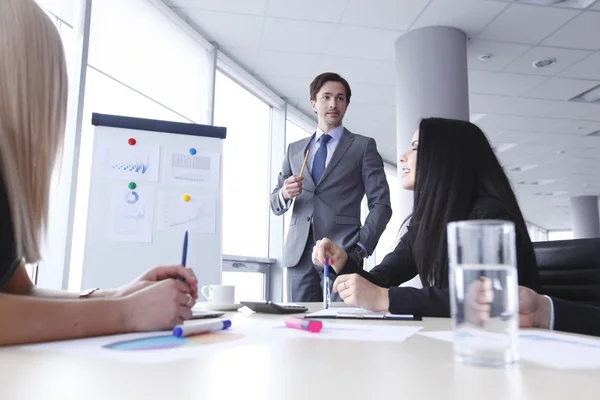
<point x="340" y="169"/>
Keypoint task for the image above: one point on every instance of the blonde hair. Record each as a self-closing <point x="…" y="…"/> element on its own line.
<point x="33" y="98"/>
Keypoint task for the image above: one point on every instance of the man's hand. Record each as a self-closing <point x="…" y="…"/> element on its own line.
<point x="292" y="187"/>
<point x="358" y="292"/>
<point x="534" y="309"/>
<point x="326" y="248"/>
<point x="161" y="273"/>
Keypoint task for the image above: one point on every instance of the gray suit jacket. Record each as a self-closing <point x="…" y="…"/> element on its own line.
<point x="333" y="205"/>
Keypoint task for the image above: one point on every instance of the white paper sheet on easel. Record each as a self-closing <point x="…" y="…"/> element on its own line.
<point x="552" y="349"/>
<point x="201" y="169"/>
<point x="131" y="214"/>
<point x="196" y="215"/>
<point x="120" y="160"/>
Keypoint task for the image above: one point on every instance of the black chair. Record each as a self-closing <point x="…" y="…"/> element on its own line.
<point x="570" y="269"/>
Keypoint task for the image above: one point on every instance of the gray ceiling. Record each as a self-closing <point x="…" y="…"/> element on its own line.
<point x="540" y="135"/>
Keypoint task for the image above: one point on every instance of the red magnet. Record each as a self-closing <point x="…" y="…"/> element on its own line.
<point x="131" y="141"/>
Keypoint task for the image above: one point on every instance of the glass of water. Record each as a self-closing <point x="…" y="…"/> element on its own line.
<point x="483" y="291"/>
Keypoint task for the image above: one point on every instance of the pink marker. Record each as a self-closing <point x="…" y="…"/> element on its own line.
<point x="300" y="323"/>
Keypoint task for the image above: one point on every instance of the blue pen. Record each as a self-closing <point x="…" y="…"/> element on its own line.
<point x="200" y="327"/>
<point x="326" y="293"/>
<point x="184" y="254"/>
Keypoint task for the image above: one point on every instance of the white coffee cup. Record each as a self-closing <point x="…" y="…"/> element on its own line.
<point x="219" y="294"/>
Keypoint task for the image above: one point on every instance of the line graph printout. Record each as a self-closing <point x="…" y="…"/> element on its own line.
<point x="131" y="214"/>
<point x="183" y="168"/>
<point x="196" y="215"/>
<point x="120" y="160"/>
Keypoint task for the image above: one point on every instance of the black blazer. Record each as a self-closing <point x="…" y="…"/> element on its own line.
<point x="576" y="318"/>
<point x="399" y="266"/>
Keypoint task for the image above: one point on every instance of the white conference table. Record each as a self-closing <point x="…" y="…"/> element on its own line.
<point x="419" y="368"/>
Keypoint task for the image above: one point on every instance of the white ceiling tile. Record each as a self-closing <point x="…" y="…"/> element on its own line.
<point x="300" y="36"/>
<point x="390" y="14"/>
<point x="583" y="32"/>
<point x="588" y="68"/>
<point x="502" y="54"/>
<point x="308" y="10"/>
<point x="370" y="43"/>
<point x="228" y="29"/>
<point x="256" y="7"/>
<point x="374" y="94"/>
<point x="354" y="70"/>
<point x="385" y="74"/>
<point x="471" y="16"/>
<point x="564" y="59"/>
<point x="245" y="56"/>
<point x="560" y="88"/>
<point x="492" y="104"/>
<point x="286" y="64"/>
<point x="501" y="83"/>
<point x="573" y="110"/>
<point x="287" y="87"/>
<point x="515" y="24"/>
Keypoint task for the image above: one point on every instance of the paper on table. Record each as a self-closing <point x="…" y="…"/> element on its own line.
<point x="131" y="214"/>
<point x="152" y="347"/>
<point x="355" y="312"/>
<point x="196" y="215"/>
<point x="551" y="349"/>
<point x="358" y="332"/>
<point x="119" y="160"/>
<point x="182" y="168"/>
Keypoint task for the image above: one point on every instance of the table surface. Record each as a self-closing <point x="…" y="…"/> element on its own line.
<point x="291" y="369"/>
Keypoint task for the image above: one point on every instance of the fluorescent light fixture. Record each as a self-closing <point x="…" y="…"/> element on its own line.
<point x="592" y="95"/>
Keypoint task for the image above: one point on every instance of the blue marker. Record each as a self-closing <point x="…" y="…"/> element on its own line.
<point x="326" y="293"/>
<point x="200" y="327"/>
<point x="184" y="254"/>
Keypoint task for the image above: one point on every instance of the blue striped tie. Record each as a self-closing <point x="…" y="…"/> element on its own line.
<point x="320" y="158"/>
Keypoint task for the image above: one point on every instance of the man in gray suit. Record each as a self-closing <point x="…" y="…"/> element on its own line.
<point x="341" y="168"/>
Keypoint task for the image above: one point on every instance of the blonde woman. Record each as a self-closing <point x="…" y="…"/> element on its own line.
<point x="33" y="91"/>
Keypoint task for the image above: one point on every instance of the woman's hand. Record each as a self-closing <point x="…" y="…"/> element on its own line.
<point x="157" y="274"/>
<point x="160" y="306"/>
<point x="358" y="292"/>
<point x="337" y="255"/>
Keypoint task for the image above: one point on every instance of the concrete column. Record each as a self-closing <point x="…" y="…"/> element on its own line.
<point x="585" y="217"/>
<point x="431" y="81"/>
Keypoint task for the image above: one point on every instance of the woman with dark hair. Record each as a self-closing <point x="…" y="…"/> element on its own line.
<point x="456" y="176"/>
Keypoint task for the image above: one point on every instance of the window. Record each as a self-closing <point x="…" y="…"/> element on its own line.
<point x="390" y="237"/>
<point x="537" y="234"/>
<point x="560" y="235"/>
<point x="293" y="133"/>
<point x="140" y="64"/>
<point x="245" y="168"/>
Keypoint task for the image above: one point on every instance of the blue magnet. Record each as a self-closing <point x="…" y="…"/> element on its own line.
<point x="192" y="151"/>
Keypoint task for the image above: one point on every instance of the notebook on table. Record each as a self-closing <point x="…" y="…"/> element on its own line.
<point x="361" y="313"/>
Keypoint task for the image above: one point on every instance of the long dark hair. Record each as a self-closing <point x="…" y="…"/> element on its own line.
<point x="455" y="166"/>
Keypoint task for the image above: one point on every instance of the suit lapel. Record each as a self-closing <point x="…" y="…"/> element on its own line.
<point x="340" y="150"/>
<point x="299" y="159"/>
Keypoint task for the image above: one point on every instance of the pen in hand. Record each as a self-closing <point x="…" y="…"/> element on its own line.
<point x="304" y="163"/>
<point x="184" y="253"/>
<point x="326" y="292"/>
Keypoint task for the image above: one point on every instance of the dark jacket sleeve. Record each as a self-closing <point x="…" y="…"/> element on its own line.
<point x="396" y="268"/>
<point x="399" y="266"/>
<point x="576" y="318"/>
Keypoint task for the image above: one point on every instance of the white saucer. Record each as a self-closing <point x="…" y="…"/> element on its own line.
<point x="218" y="307"/>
